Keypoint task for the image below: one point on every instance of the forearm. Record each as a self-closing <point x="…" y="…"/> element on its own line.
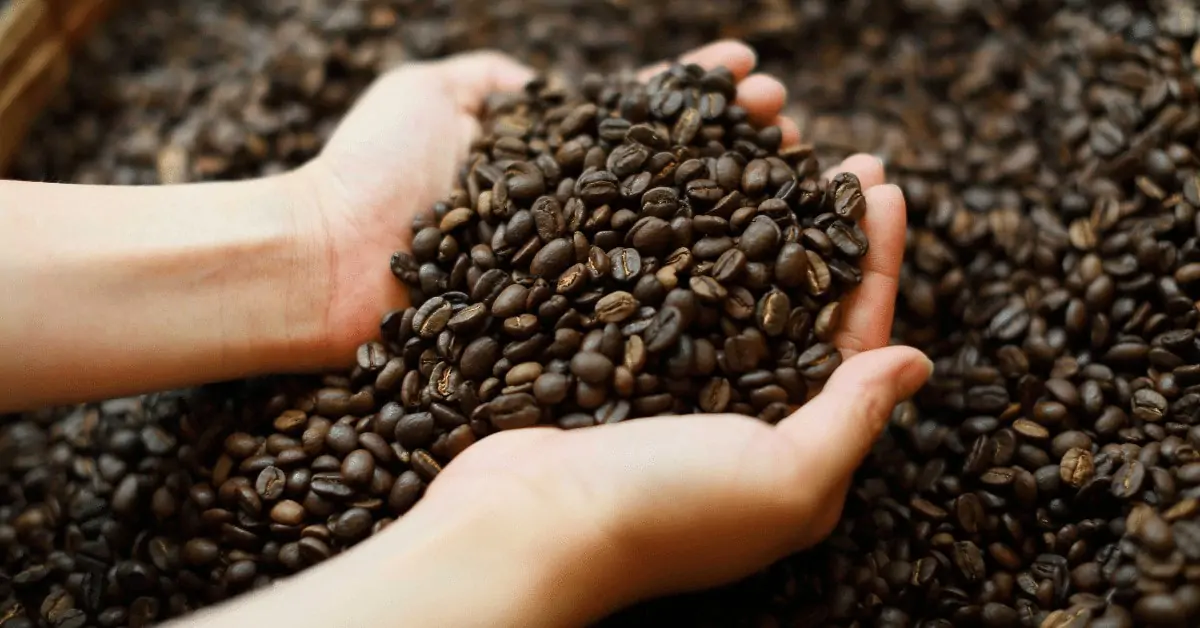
<point x="452" y="563"/>
<point x="119" y="290"/>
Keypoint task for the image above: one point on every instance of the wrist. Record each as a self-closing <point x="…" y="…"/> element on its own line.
<point x="302" y="289"/>
<point x="349" y="239"/>
<point x="542" y="569"/>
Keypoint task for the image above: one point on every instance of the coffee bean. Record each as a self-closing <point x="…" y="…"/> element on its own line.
<point x="848" y="239"/>
<point x="200" y="552"/>
<point x="819" y="361"/>
<point x="341" y="439"/>
<point x="510" y="301"/>
<point x="760" y="238"/>
<point x="615" y="307"/>
<point x="331" y="487"/>
<point x="627" y="264"/>
<point x="405" y="492"/>
<point x="513" y="411"/>
<point x="358" y="467"/>
<point x="287" y="512"/>
<point x="1077" y="467"/>
<point x="425" y="465"/>
<point x="271" y="483"/>
<point x="591" y="367"/>
<point x="665" y="329"/>
<point x="846" y="192"/>
<point x="415" y="430"/>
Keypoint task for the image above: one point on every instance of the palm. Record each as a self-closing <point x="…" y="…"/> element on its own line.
<point x="395" y="155"/>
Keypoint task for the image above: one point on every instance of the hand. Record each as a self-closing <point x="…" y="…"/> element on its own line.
<point x="398" y="152"/>
<point x="660" y="505"/>
<point x="541" y="527"/>
<point x="395" y="155"/>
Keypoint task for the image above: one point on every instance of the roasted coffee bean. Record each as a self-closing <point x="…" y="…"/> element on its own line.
<point x="626" y="264"/>
<point x="591" y="367"/>
<point x="358" y="467"/>
<point x="615" y="307"/>
<point x="271" y="483"/>
<point x="846" y="192"/>
<point x="288" y="513"/>
<point x="513" y="411"/>
<point x="760" y="238"/>
<point x="665" y="329"/>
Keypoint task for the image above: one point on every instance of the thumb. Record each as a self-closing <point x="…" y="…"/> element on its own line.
<point x="418" y="120"/>
<point x="837" y="428"/>
<point x="471" y="77"/>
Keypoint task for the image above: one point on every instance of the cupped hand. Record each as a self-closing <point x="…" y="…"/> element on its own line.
<point x="611" y="514"/>
<point x="659" y="505"/>
<point x="395" y="154"/>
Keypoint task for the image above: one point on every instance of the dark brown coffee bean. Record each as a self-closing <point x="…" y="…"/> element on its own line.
<point x="352" y="525"/>
<point x="848" y="239"/>
<point x="425" y="465"/>
<point x="415" y="430"/>
<point x="358" y="467"/>
<point x="513" y="411"/>
<point x="704" y="190"/>
<point x="1159" y="609"/>
<point x="271" y="483"/>
<point x="846" y="192"/>
<point x="342" y="439"/>
<point x="665" y="330"/>
<point x="510" y="301"/>
<point x="1127" y="481"/>
<point x="405" y="492"/>
<point x="590" y="367"/>
<point x="331" y="486"/>
<point x="755" y="177"/>
<point x="626" y="264"/>
<point x="819" y="361"/>
<point x="760" y="239"/>
<point x="1149" y="405"/>
<point x="552" y="259"/>
<point x="773" y="312"/>
<point x="200" y="552"/>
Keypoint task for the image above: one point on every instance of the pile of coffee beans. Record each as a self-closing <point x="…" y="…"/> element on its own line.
<point x="635" y="251"/>
<point x="1048" y="474"/>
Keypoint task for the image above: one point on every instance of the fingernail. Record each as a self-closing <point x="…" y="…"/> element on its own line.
<point x="928" y="366"/>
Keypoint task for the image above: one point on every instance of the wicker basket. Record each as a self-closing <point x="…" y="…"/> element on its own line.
<point x="36" y="41"/>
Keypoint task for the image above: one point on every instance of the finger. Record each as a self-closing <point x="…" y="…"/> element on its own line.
<point x="868" y="310"/>
<point x="763" y="98"/>
<point x="836" y="430"/>
<point x="791" y="132"/>
<point x="736" y="56"/>
<point x="867" y="168"/>
<point x="471" y="77"/>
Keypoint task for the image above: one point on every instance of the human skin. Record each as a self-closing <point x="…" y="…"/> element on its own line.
<point x="117" y="290"/>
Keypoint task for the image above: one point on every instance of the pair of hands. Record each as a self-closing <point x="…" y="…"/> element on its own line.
<point x="605" y="516"/>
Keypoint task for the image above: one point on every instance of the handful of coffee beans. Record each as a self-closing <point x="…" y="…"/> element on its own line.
<point x="626" y="251"/>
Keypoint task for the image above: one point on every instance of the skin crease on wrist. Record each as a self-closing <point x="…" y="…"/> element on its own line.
<point x="125" y="289"/>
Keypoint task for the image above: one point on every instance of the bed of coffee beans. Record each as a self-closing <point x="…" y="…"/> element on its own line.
<point x="1048" y="474"/>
